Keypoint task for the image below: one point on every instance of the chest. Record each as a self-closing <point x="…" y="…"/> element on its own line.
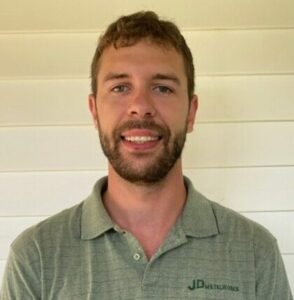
<point x="116" y="268"/>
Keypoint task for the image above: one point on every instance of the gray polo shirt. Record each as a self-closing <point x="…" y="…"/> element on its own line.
<point x="211" y="253"/>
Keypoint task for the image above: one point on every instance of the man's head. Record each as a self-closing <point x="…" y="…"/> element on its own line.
<point x="128" y="30"/>
<point x="142" y="102"/>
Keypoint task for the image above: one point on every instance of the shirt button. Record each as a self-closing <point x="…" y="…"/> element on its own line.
<point x="137" y="256"/>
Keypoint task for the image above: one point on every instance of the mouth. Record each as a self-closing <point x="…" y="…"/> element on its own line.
<point x="141" y="139"/>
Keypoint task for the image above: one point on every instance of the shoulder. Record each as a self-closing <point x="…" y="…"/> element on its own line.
<point x="250" y="242"/>
<point x="233" y="225"/>
<point x="61" y="229"/>
<point x="65" y="224"/>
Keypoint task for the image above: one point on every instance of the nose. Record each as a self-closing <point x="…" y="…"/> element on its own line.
<point x="141" y="105"/>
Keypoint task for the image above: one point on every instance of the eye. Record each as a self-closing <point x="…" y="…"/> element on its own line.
<point x="162" y="89"/>
<point x="120" y="88"/>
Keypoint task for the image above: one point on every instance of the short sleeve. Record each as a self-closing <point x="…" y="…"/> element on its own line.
<point x="22" y="278"/>
<point x="271" y="278"/>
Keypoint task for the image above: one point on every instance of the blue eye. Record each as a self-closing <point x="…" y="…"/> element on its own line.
<point x="162" y="89"/>
<point x="120" y="89"/>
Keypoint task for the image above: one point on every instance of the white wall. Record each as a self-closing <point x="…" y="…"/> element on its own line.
<point x="241" y="153"/>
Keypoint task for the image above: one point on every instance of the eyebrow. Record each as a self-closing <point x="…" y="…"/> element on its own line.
<point x="170" y="77"/>
<point x="113" y="76"/>
<point x="157" y="76"/>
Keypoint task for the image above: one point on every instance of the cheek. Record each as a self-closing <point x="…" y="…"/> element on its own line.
<point x="108" y="118"/>
<point x="175" y="117"/>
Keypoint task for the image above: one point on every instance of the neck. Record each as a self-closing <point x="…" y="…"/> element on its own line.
<point x="146" y="210"/>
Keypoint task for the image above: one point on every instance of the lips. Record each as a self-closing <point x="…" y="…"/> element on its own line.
<point x="139" y="135"/>
<point x="141" y="139"/>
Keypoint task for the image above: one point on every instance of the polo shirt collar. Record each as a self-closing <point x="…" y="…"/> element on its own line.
<point x="94" y="218"/>
<point x="198" y="218"/>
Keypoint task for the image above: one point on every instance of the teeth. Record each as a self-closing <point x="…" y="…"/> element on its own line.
<point x="140" y="139"/>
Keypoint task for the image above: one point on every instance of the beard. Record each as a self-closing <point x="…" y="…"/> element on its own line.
<point x="157" y="167"/>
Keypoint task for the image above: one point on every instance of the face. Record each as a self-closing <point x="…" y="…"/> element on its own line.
<point x="142" y="110"/>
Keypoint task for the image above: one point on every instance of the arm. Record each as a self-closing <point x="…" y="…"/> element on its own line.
<point x="271" y="278"/>
<point x="21" y="278"/>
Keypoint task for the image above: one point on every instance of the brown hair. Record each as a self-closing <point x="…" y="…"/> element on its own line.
<point x="128" y="30"/>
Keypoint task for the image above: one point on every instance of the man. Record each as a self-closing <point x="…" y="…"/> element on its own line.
<point x="145" y="232"/>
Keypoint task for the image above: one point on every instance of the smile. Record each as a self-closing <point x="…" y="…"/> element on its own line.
<point x="141" y="139"/>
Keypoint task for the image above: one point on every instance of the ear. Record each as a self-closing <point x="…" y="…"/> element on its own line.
<point x="93" y="109"/>
<point x="192" y="113"/>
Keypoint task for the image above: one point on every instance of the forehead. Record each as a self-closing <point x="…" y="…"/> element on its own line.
<point x="142" y="57"/>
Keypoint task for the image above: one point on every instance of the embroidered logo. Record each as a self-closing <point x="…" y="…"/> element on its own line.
<point x="202" y="284"/>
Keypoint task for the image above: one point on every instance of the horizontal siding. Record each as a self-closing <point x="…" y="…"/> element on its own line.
<point x="210" y="145"/>
<point x="244" y="144"/>
<point x="44" y="193"/>
<point x="55" y="15"/>
<point x="245" y="98"/>
<point x="53" y="55"/>
<point x="232" y="99"/>
<point x="247" y="189"/>
<point x="242" y="189"/>
<point x="44" y="102"/>
<point x="69" y="55"/>
<point x="242" y="52"/>
<point x="50" y="148"/>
